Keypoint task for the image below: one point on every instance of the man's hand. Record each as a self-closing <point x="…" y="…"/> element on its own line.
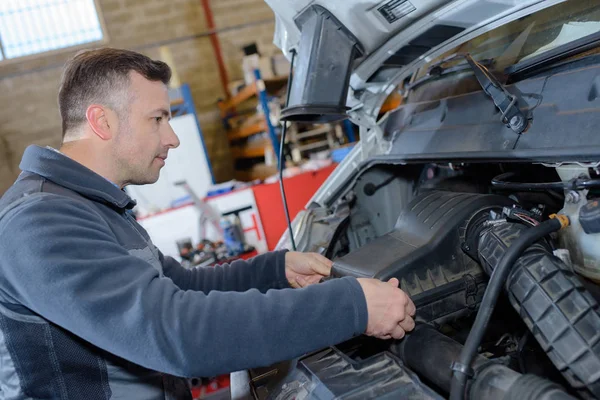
<point x="303" y="269"/>
<point x="390" y="310"/>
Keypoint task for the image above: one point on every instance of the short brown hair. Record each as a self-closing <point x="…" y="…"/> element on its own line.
<point x="99" y="76"/>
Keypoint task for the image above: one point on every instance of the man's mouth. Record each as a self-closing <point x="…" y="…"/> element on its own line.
<point x="162" y="158"/>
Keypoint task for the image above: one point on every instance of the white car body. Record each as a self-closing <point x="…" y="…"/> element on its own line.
<point x="380" y="39"/>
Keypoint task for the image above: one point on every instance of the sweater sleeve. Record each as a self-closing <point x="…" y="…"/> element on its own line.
<point x="263" y="272"/>
<point x="62" y="261"/>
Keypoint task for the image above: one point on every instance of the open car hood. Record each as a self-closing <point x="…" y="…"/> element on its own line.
<point x="396" y="38"/>
<point x="371" y="21"/>
<point x="397" y="35"/>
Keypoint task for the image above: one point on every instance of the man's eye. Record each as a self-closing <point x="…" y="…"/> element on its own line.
<point x="158" y="119"/>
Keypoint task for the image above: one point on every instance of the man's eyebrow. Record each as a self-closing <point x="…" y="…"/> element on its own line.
<point x="163" y="111"/>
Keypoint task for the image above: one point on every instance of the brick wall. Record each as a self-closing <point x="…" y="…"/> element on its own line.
<point x="28" y="88"/>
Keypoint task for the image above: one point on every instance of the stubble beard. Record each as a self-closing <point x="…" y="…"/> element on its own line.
<point x="129" y="166"/>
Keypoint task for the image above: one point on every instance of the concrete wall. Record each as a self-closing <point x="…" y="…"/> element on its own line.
<point x="28" y="87"/>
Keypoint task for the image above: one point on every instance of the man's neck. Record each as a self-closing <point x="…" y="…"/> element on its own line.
<point x="80" y="151"/>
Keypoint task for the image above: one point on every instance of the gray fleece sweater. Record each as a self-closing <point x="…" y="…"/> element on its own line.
<point x="90" y="308"/>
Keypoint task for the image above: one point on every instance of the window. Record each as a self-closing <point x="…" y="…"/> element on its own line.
<point x="36" y="26"/>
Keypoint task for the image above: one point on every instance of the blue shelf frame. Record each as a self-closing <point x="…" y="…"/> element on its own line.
<point x="187" y="106"/>
<point x="264" y="103"/>
<point x="349" y="130"/>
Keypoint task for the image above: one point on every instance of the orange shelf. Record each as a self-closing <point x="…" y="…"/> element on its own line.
<point x="243" y="95"/>
<point x="247" y="129"/>
<point x="248" y="91"/>
<point x="259" y="171"/>
<point x="251" y="151"/>
<point x="176" y="102"/>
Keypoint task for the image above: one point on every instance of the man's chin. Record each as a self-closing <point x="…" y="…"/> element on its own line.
<point x="147" y="180"/>
<point x="153" y="179"/>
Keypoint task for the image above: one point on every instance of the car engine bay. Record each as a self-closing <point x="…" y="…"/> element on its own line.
<point x="445" y="231"/>
<point x="479" y="191"/>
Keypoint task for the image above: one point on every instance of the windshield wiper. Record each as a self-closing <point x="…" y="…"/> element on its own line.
<point x="555" y="55"/>
<point x="512" y="116"/>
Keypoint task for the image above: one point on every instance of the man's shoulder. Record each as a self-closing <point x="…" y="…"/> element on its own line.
<point x="25" y="185"/>
<point x="32" y="189"/>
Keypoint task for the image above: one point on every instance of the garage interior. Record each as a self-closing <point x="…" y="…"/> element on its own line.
<point x="227" y="90"/>
<point x="444" y="148"/>
<point x="213" y="49"/>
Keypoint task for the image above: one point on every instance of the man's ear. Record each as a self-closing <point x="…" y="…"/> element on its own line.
<point x="98" y="119"/>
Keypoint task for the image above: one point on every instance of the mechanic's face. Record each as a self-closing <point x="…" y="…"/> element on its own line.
<point x="144" y="136"/>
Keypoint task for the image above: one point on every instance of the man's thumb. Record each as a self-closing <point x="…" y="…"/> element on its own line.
<point x="394" y="282"/>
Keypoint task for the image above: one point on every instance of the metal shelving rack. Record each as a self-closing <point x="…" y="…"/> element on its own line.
<point x="255" y="124"/>
<point x="319" y="137"/>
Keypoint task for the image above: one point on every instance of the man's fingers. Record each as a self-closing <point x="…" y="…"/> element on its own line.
<point x="398" y="332"/>
<point x="390" y="310"/>
<point x="411" y="309"/>
<point x="321" y="265"/>
<point x="301" y="281"/>
<point x="321" y="269"/>
<point x="407" y="324"/>
<point x="323" y="259"/>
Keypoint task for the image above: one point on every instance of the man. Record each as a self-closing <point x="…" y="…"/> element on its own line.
<point x="89" y="308"/>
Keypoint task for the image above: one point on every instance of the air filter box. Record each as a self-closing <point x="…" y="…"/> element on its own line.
<point x="424" y="251"/>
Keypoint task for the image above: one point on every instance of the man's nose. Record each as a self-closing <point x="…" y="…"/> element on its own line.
<point x="171" y="139"/>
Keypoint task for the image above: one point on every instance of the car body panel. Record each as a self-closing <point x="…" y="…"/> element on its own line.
<point x="365" y="98"/>
<point x="365" y="19"/>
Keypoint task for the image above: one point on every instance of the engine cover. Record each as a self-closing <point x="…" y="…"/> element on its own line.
<point x="424" y="252"/>
<point x="330" y="374"/>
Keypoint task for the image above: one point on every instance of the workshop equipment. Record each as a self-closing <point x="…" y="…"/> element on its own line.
<point x="207" y="214"/>
<point x="233" y="234"/>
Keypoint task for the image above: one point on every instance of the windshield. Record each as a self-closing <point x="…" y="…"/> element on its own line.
<point x="512" y="43"/>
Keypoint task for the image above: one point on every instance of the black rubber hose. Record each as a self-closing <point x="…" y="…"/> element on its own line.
<point x="500" y="182"/>
<point x="283" y="133"/>
<point x="495" y="285"/>
<point x="427" y="352"/>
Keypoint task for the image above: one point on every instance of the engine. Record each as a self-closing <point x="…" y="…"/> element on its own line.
<point x="505" y="280"/>
<point x="424" y="251"/>
<point x="444" y="246"/>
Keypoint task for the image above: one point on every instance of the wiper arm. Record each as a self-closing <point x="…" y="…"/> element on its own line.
<point x="512" y="116"/>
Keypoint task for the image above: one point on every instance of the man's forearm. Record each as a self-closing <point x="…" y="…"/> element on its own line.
<point x="263" y="272"/>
